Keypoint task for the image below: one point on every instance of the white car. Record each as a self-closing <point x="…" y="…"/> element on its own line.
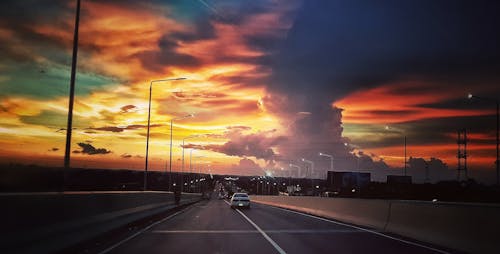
<point x="240" y="200"/>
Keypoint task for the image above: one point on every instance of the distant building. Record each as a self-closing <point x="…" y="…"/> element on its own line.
<point x="396" y="179"/>
<point x="347" y="180"/>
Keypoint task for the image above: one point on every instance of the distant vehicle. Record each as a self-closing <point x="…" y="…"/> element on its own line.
<point x="240" y="200"/>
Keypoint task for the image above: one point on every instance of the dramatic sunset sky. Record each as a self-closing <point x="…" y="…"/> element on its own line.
<point x="269" y="82"/>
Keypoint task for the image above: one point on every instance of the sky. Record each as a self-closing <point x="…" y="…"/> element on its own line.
<point x="269" y="82"/>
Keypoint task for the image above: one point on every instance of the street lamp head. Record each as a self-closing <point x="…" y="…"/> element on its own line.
<point x="469" y="96"/>
<point x="320" y="154"/>
<point x="303" y="159"/>
<point x="167" y="79"/>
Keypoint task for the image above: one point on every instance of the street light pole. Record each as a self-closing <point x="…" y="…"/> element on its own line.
<point x="170" y="159"/>
<point x="497" y="162"/>
<point x="331" y="159"/>
<point x="69" y="127"/>
<point x="192" y="136"/>
<point x="190" y="166"/>
<point x="312" y="171"/>
<point x="199" y="171"/>
<point x="298" y="169"/>
<point x="312" y="165"/>
<point x="149" y="122"/>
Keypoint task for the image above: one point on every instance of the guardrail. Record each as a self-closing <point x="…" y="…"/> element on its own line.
<point x="49" y="222"/>
<point x="461" y="226"/>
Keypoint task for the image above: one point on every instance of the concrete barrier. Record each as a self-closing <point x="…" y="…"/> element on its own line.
<point x="50" y="222"/>
<point x="371" y="213"/>
<point x="471" y="228"/>
<point x="465" y="227"/>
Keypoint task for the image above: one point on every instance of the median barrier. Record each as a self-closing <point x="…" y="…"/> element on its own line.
<point x="471" y="228"/>
<point x="371" y="213"/>
<point x="50" y="222"/>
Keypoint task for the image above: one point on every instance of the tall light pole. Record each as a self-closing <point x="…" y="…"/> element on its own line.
<point x="331" y="159"/>
<point x="312" y="171"/>
<point x="69" y="127"/>
<point x="298" y="169"/>
<point x="191" y="160"/>
<point x="497" y="162"/>
<point x="404" y="169"/>
<point x="312" y="165"/>
<point x="170" y="159"/>
<point x="149" y="122"/>
<point x="184" y="139"/>
<point x="199" y="170"/>
<point x="190" y="166"/>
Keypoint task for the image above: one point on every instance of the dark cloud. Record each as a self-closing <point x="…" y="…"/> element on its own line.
<point x="110" y="128"/>
<point x="54" y="149"/>
<point x="239" y="127"/>
<point x="338" y="47"/>
<point x="157" y="60"/>
<point x="344" y="46"/>
<point x="203" y="30"/>
<point x="91" y="150"/>
<point x="128" y="108"/>
<point x="52" y="118"/>
<point x="259" y="145"/>
<point x="434" y="170"/>
<point x="121" y="129"/>
<point x="126" y="156"/>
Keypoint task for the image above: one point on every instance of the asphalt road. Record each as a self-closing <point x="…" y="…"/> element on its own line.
<point x="213" y="227"/>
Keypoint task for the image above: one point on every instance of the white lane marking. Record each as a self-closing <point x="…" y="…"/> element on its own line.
<point x="278" y="231"/>
<point x="364" y="229"/>
<point x="139" y="232"/>
<point x="273" y="243"/>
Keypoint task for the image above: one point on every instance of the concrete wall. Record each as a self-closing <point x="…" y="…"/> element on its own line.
<point x="47" y="222"/>
<point x="470" y="228"/>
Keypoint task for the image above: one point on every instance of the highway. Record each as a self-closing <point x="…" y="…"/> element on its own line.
<point x="213" y="227"/>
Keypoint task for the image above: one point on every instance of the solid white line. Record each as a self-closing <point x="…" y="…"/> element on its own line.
<point x="139" y="232"/>
<point x="205" y="231"/>
<point x="273" y="243"/>
<point x="363" y="229"/>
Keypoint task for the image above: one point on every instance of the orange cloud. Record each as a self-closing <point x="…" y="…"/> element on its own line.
<point x="224" y="88"/>
<point x="113" y="34"/>
<point x="399" y="102"/>
<point x="480" y="155"/>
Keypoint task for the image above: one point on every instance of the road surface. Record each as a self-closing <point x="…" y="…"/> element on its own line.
<point x="213" y="227"/>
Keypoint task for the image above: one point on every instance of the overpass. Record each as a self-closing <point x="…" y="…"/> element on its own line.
<point x="150" y="222"/>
